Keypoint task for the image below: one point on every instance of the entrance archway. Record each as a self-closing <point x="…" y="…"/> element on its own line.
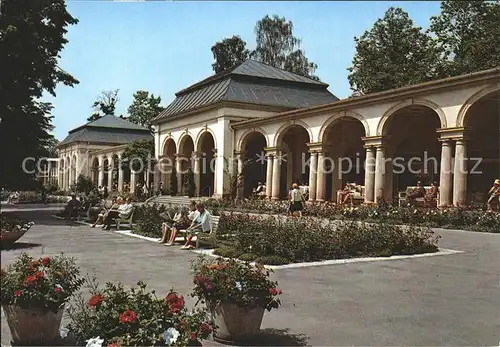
<point x="345" y="154"/>
<point x="168" y="162"/>
<point x="186" y="149"/>
<point x="95" y="170"/>
<point x="293" y="144"/>
<point x="412" y="143"/>
<point x="483" y="132"/>
<point x="206" y="148"/>
<point x="255" y="169"/>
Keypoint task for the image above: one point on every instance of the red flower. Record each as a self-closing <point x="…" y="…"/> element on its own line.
<point x="174" y="302"/>
<point x="46" y="261"/>
<point x="273" y="291"/>
<point x="182" y="325"/>
<point x="113" y="345"/>
<point x="280" y="292"/>
<point x="17" y="293"/>
<point x="58" y="290"/>
<point x="193" y="337"/>
<point x="128" y="316"/>
<point x="32" y="280"/>
<point x="205" y="328"/>
<point x="208" y="285"/>
<point x="96" y="300"/>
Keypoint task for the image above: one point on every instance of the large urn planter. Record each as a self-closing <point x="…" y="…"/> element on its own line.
<point x="33" y="327"/>
<point x="236" y="323"/>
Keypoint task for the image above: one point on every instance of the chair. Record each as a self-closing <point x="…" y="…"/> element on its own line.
<point x="128" y="220"/>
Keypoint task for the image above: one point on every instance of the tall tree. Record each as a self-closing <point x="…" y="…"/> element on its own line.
<point x="394" y="53"/>
<point x="144" y="108"/>
<point x="32" y="34"/>
<point x="229" y="53"/>
<point x="105" y="105"/>
<point x="468" y="33"/>
<point x="139" y="155"/>
<point x="278" y="47"/>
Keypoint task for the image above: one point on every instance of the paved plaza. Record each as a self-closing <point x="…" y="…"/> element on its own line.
<point x="443" y="300"/>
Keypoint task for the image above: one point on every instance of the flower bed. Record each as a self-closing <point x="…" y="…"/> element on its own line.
<point x="277" y="241"/>
<point x="458" y="218"/>
<point x="116" y="316"/>
<point x="149" y="220"/>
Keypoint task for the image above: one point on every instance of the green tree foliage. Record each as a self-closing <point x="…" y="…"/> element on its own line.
<point x="173" y="182"/>
<point x="275" y="45"/>
<point x="138" y="155"/>
<point x="31" y="38"/>
<point x="394" y="53"/>
<point x="229" y="53"/>
<point x="468" y="32"/>
<point x="105" y="105"/>
<point x="144" y="108"/>
<point x="189" y="184"/>
<point x="84" y="184"/>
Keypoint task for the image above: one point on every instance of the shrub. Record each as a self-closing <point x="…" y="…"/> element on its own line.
<point x="227" y="252"/>
<point x="149" y="220"/>
<point x="271" y="260"/>
<point x="29" y="197"/>
<point x="248" y="257"/>
<point x="173" y="190"/>
<point x="189" y="184"/>
<point x="135" y="317"/>
<point x="44" y="283"/>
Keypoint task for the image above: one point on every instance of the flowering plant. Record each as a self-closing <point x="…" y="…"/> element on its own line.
<point x="14" y="224"/>
<point x="134" y="317"/>
<point x="44" y="283"/>
<point x="221" y="280"/>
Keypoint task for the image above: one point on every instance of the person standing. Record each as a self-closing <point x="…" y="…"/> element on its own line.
<point x="494" y="196"/>
<point x="296" y="200"/>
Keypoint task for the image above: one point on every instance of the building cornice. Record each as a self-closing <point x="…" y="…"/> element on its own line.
<point x="481" y="77"/>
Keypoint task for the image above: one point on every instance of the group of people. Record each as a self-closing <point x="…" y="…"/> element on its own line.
<point x="420" y="192"/>
<point x="196" y="219"/>
<point x="120" y="208"/>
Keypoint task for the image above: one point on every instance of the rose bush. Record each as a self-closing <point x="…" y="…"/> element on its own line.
<point x="44" y="283"/>
<point x="116" y="316"/>
<point x="219" y="281"/>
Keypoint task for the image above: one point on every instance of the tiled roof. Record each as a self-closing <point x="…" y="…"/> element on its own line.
<point x="254" y="83"/>
<point x="108" y="129"/>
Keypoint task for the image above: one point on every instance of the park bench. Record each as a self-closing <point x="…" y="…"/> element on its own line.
<point x="202" y="237"/>
<point x="128" y="220"/>
<point x="418" y="201"/>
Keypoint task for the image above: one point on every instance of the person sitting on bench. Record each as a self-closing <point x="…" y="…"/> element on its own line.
<point x="123" y="211"/>
<point x="344" y="194"/>
<point x="71" y="209"/>
<point x="116" y="202"/>
<point x="202" y="223"/>
<point x="417" y="192"/>
<point x="179" y="222"/>
<point x="431" y="196"/>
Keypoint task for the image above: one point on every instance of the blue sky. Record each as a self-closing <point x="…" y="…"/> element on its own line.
<point x="164" y="46"/>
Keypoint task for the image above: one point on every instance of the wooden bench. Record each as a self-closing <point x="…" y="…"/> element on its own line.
<point x="418" y="201"/>
<point x="128" y="220"/>
<point x="202" y="237"/>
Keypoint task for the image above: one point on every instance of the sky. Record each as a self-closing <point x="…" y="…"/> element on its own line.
<point x="164" y="46"/>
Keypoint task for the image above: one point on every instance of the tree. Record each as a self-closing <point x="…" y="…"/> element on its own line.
<point x="51" y="147"/>
<point x="105" y="105"/>
<point x="278" y="47"/>
<point x="32" y="34"/>
<point x="229" y="53"/>
<point x="468" y="33"/>
<point x="138" y="155"/>
<point x="393" y="54"/>
<point x="189" y="184"/>
<point x="173" y="182"/>
<point x="144" y="108"/>
<point x="83" y="184"/>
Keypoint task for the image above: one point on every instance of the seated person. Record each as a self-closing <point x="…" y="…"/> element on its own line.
<point x="344" y="194"/>
<point x="431" y="196"/>
<point x="261" y="189"/>
<point x="202" y="223"/>
<point x="123" y="211"/>
<point x="192" y="210"/>
<point x="180" y="222"/>
<point x="114" y="205"/>
<point x="417" y="192"/>
<point x="494" y="196"/>
<point x="71" y="208"/>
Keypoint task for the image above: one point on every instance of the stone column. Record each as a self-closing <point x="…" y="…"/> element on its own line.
<point x="320" y="179"/>
<point x="197" y="172"/>
<point x="133" y="181"/>
<point x="313" y="168"/>
<point x="445" y="176"/>
<point x="276" y="176"/>
<point x="239" y="175"/>
<point x="121" y="175"/>
<point x="216" y="175"/>
<point x="110" y="175"/>
<point x="269" y="175"/>
<point x="100" y="181"/>
<point x="379" y="172"/>
<point x="178" y="168"/>
<point x="370" y="175"/>
<point x="460" y="174"/>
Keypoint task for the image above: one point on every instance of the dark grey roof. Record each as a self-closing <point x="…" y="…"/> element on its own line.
<point x="254" y="83"/>
<point x="108" y="129"/>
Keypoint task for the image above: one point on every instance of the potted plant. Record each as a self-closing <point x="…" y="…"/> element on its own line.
<point x="237" y="294"/>
<point x="34" y="292"/>
<point x="12" y="229"/>
<point x="119" y="316"/>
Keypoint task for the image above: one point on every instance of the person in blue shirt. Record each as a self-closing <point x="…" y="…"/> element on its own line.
<point x="202" y="222"/>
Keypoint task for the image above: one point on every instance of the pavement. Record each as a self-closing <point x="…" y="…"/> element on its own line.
<point x="429" y="301"/>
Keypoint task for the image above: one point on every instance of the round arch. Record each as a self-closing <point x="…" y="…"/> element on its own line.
<point x="167" y="141"/>
<point x="283" y="130"/>
<point x="200" y="137"/>
<point x="240" y="146"/>
<point x="382" y="125"/>
<point x="338" y="117"/>
<point x="185" y="138"/>
<point x="461" y="118"/>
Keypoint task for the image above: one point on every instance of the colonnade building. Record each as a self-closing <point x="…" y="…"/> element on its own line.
<point x="262" y="124"/>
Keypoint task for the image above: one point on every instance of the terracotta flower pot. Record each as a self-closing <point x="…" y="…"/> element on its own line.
<point x="33" y="326"/>
<point x="236" y="323"/>
<point x="8" y="238"/>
